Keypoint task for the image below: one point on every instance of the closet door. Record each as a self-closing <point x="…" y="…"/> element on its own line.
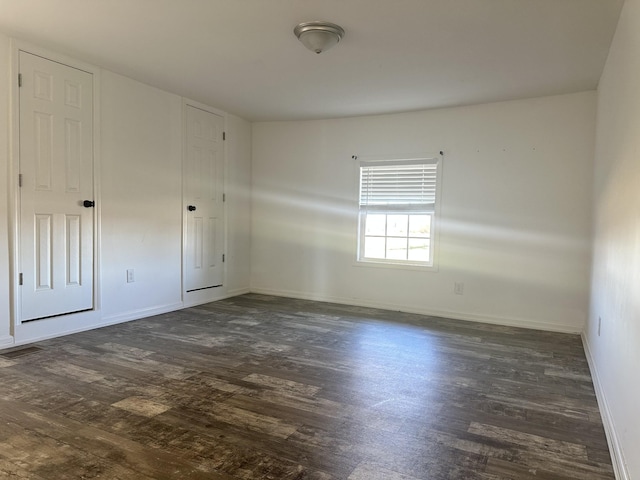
<point x="56" y="188"/>
<point x="203" y="200"/>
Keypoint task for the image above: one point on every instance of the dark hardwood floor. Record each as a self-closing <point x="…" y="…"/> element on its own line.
<point x="259" y="387"/>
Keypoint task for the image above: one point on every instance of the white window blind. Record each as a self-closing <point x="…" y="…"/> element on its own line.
<point x="408" y="185"/>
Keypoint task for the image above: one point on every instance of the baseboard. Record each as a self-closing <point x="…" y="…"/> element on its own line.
<point x="27" y="336"/>
<point x="617" y="456"/>
<point x="237" y="291"/>
<point x="494" y="320"/>
<point x="193" y="301"/>
<point x="138" y="314"/>
<point x="33" y="336"/>
<point x="6" y="341"/>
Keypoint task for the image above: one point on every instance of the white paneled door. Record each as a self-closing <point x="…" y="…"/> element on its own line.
<point x="203" y="195"/>
<point x="56" y="192"/>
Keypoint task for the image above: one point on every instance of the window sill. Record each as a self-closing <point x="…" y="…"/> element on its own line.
<point x="396" y="266"/>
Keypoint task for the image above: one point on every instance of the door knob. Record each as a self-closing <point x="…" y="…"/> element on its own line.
<point x="88" y="203"/>
<point x="191" y="208"/>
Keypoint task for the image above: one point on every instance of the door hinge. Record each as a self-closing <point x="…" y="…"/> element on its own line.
<point x="19" y="279"/>
<point x="19" y="179"/>
<point x="224" y="135"/>
<point x="223" y="258"/>
<point x="224" y="197"/>
<point x="19" y="80"/>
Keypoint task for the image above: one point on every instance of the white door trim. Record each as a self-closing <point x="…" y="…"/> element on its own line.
<point x="33" y="329"/>
<point x="208" y="295"/>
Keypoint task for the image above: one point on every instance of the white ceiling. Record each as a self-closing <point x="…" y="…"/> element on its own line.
<point x="397" y="55"/>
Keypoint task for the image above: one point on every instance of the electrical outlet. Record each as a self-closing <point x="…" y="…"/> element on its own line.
<point x="458" y="288"/>
<point x="599" y="325"/>
<point x="130" y="276"/>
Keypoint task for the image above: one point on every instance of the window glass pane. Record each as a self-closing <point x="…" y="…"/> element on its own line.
<point x="397" y="248"/>
<point x="397" y="225"/>
<point x="374" y="247"/>
<point x="419" y="249"/>
<point x="375" y="224"/>
<point x="420" y="226"/>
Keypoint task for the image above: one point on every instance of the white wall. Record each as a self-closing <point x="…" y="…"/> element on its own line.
<point x="516" y="202"/>
<point x="615" y="286"/>
<point x="140" y="196"/>
<point x="238" y="205"/>
<point x="139" y="203"/>
<point x="5" y="332"/>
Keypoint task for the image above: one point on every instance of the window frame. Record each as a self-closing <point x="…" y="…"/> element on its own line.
<point x="388" y="160"/>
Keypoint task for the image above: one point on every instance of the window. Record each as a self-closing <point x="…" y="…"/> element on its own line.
<point x="397" y="211"/>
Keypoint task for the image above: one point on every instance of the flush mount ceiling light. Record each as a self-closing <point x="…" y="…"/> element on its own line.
<point x="319" y="36"/>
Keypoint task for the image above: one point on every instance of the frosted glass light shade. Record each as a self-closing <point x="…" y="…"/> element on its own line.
<point x="319" y="36"/>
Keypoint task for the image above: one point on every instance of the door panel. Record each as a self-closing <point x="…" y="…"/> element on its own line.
<point x="56" y="167"/>
<point x="203" y="190"/>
